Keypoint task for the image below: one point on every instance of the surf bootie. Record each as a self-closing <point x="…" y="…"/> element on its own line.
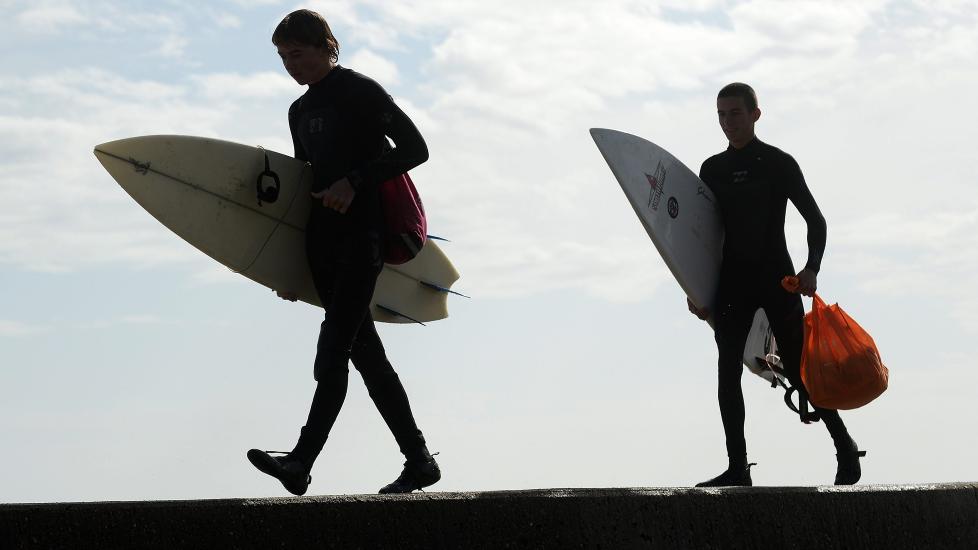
<point x="417" y="474"/>
<point x="293" y="474"/>
<point x="849" y="471"/>
<point x="734" y="476"/>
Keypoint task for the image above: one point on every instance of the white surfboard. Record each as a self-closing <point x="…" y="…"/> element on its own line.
<point x="680" y="215"/>
<point x="205" y="191"/>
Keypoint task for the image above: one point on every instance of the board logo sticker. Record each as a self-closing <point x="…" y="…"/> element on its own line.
<point x="672" y="207"/>
<point x="140" y="167"/>
<point x="657" y="182"/>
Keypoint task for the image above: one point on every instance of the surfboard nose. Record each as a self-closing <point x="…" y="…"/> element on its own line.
<point x="117" y="157"/>
<point x="131" y="147"/>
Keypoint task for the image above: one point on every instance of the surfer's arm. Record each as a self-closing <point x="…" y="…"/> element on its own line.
<point x="802" y="198"/>
<point x="300" y="152"/>
<point x="409" y="148"/>
<point x="707" y="173"/>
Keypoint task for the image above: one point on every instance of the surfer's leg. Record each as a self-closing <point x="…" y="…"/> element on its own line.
<point x="352" y="289"/>
<point x="787" y="317"/>
<point x="733" y="324"/>
<point x="386" y="390"/>
<point x="420" y="468"/>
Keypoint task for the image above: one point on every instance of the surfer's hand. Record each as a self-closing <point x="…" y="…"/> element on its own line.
<point x="338" y="196"/>
<point x="807" y="282"/>
<point x="701" y="313"/>
<point x="287" y="295"/>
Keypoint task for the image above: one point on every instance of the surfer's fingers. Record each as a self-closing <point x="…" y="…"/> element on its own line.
<point x="287" y="295"/>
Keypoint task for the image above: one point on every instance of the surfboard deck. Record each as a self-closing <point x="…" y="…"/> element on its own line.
<point x="205" y="191"/>
<point x="680" y="214"/>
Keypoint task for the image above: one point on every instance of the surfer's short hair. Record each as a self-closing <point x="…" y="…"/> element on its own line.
<point x="741" y="90"/>
<point x="307" y="28"/>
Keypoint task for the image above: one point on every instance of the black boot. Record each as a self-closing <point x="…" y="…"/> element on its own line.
<point x="849" y="471"/>
<point x="734" y="476"/>
<point x="418" y="473"/>
<point x="292" y="472"/>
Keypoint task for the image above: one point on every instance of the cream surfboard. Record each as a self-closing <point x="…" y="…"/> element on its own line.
<point x="680" y="215"/>
<point x="206" y="191"/>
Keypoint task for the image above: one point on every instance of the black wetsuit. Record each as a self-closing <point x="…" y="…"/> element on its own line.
<point x="340" y="125"/>
<point x="753" y="186"/>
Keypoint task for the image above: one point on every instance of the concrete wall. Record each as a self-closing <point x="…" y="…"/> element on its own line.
<point x="892" y="517"/>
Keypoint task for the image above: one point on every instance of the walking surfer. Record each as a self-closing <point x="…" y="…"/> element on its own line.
<point x="340" y="126"/>
<point x="753" y="182"/>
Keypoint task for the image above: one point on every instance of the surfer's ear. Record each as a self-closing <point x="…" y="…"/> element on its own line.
<point x="756" y="114"/>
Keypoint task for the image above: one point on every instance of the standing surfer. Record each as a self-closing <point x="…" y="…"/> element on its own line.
<point x="753" y="182"/>
<point x="340" y="126"/>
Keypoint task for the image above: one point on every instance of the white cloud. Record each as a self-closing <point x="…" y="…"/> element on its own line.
<point x="136" y="319"/>
<point x="173" y="46"/>
<point x="256" y="3"/>
<point x="354" y="15"/>
<point x="878" y="115"/>
<point x="370" y="63"/>
<point x="244" y="87"/>
<point x="227" y="21"/>
<point x="16" y="329"/>
<point x="50" y="18"/>
<point x="894" y="255"/>
<point x="78" y="216"/>
<point x="504" y="94"/>
<point x="813" y="27"/>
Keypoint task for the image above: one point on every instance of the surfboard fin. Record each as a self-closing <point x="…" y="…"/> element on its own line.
<point x="433" y="286"/>
<point x="437" y="238"/>
<point x="399" y="314"/>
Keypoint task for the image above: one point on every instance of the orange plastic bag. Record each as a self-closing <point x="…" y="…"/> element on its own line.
<point x="840" y="364"/>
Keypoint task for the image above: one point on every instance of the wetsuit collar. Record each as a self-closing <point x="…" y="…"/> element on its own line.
<point x="752" y="144"/>
<point x="324" y="81"/>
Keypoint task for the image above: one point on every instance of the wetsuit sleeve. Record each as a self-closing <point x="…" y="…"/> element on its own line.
<point x="409" y="148"/>
<point x="802" y="198"/>
<point x="300" y="152"/>
<point x="705" y="174"/>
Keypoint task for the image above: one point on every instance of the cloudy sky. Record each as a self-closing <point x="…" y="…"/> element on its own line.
<point x="134" y="367"/>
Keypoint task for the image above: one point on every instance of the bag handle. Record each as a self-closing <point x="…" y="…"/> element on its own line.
<point x="804" y="414"/>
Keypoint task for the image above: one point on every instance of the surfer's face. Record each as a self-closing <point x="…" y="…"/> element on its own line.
<point x="736" y="120"/>
<point x="306" y="64"/>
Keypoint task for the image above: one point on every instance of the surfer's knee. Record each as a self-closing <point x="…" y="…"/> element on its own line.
<point x="373" y="365"/>
<point x="330" y="362"/>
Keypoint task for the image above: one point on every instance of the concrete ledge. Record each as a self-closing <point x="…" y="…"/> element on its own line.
<point x="891" y="517"/>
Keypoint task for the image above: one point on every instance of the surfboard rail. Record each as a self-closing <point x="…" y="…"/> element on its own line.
<point x="680" y="214"/>
<point x="204" y="190"/>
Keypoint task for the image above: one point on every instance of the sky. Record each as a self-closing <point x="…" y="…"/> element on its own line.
<point x="134" y="367"/>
